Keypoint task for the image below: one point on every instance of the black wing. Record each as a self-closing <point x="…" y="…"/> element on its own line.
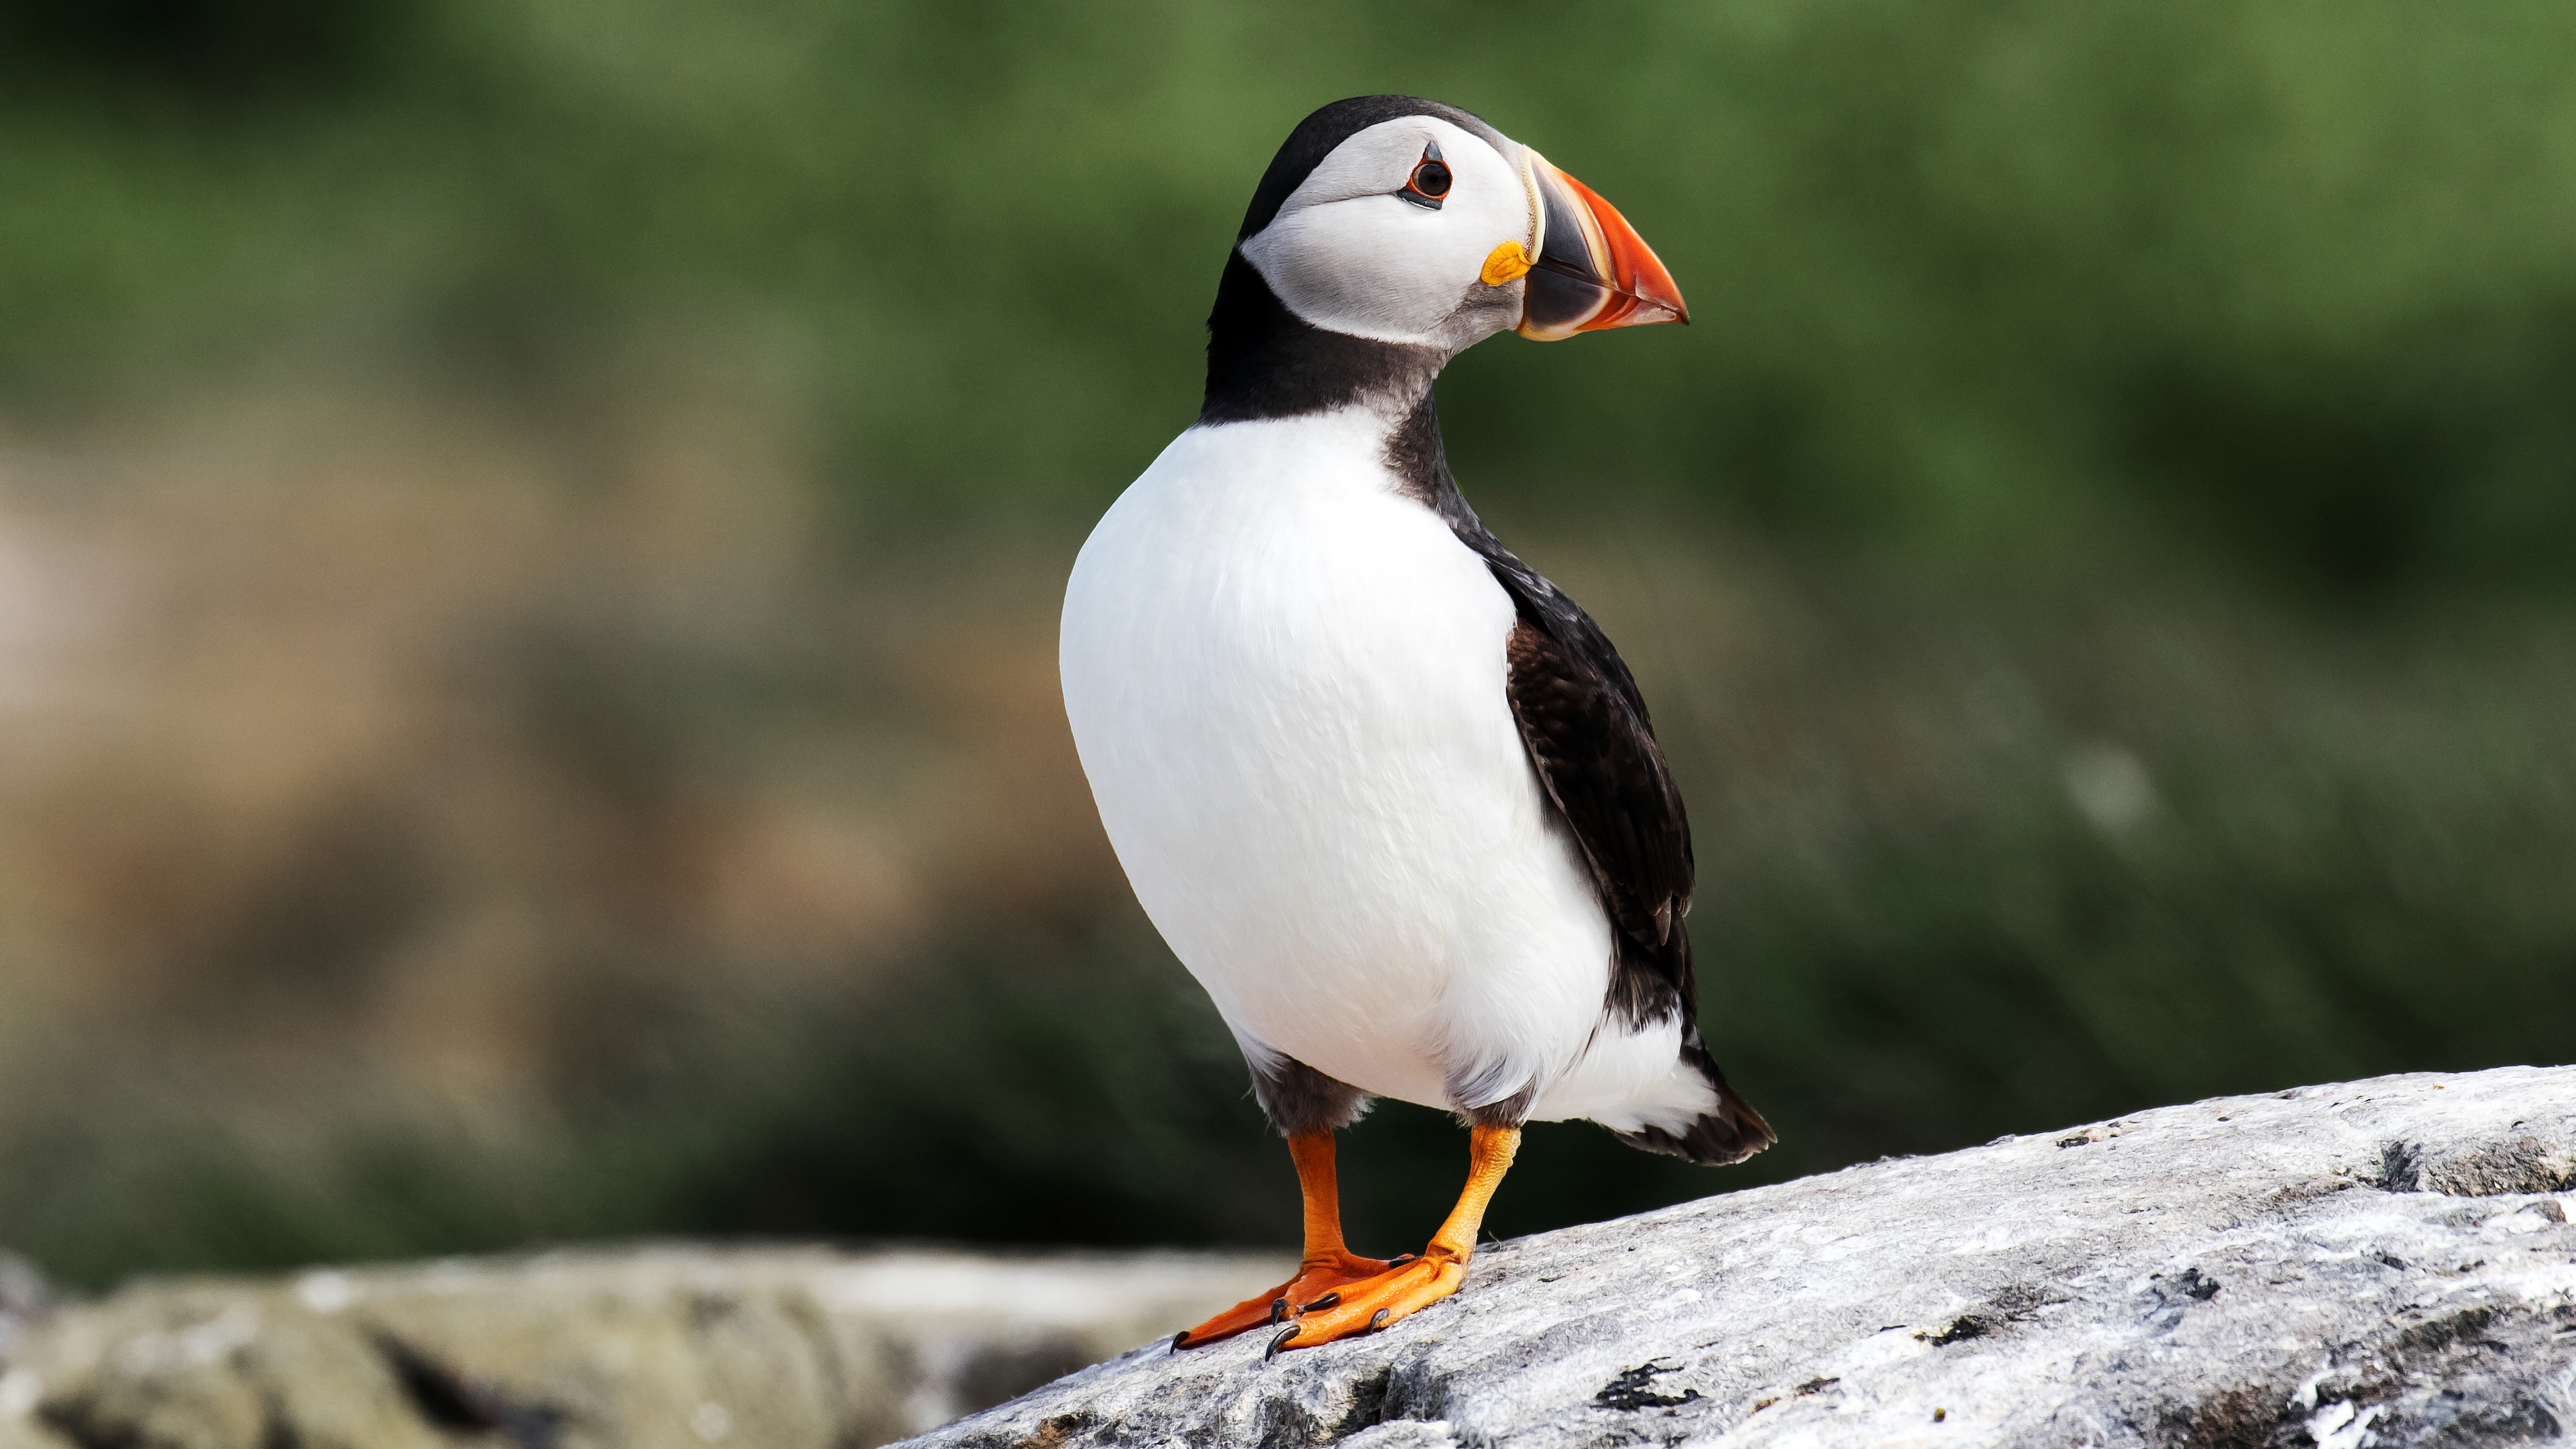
<point x="1589" y="736"/>
<point x="1593" y="743"/>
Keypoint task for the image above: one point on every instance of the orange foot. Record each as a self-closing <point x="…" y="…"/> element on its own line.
<point x="1372" y="1304"/>
<point x="1407" y="1287"/>
<point x="1321" y="1281"/>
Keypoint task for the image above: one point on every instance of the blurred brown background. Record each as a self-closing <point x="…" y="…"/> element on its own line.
<point x="530" y="534"/>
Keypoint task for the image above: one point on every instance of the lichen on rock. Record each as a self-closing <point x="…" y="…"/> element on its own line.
<point x="2380" y="1262"/>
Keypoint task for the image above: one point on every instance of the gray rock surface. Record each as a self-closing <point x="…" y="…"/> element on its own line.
<point x="636" y="1349"/>
<point x="2383" y="1262"/>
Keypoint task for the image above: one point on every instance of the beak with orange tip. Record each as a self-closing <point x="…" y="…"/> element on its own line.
<point x="1592" y="270"/>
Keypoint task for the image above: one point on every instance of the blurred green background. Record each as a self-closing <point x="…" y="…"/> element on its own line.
<point x="529" y="538"/>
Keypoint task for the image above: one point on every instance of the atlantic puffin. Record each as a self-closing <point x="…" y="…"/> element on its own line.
<point x="1391" y="797"/>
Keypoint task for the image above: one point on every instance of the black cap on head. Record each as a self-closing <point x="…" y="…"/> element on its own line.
<point x="1263" y="361"/>
<point x="1328" y="127"/>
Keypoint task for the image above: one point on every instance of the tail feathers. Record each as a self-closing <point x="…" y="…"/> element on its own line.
<point x="1727" y="1133"/>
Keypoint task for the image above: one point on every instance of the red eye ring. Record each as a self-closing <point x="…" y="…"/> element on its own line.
<point x="1430" y="181"/>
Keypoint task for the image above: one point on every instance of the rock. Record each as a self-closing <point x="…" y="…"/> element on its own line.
<point x="2383" y="1262"/>
<point x="632" y="1349"/>
<point x="2386" y="1262"/>
<point x="23" y="1295"/>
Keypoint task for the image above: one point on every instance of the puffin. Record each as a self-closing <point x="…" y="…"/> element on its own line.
<point x="1389" y="795"/>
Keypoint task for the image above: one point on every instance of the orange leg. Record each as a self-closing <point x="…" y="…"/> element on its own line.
<point x="1407" y="1287"/>
<point x="1328" y="1266"/>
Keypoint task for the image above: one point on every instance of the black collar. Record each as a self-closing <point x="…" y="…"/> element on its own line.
<point x="1266" y="362"/>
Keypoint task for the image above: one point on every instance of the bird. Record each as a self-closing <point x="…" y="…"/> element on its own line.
<point x="1390" y="796"/>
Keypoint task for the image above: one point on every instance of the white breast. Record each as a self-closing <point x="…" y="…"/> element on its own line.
<point x="1286" y="681"/>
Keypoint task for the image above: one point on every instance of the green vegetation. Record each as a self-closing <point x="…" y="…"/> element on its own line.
<point x="2104" y="567"/>
<point x="2291" y="280"/>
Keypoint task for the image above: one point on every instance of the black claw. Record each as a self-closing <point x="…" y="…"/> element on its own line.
<point x="1279" y="1342"/>
<point x="1327" y="1301"/>
<point x="1180" y="1338"/>
<point x="1378" y="1319"/>
<point x="1400" y="1259"/>
<point x="1278" y="1310"/>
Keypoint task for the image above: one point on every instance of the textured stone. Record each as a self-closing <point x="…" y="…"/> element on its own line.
<point x="637" y="1349"/>
<point x="2386" y="1262"/>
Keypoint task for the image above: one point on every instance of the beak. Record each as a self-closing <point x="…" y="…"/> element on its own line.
<point x="1593" y="270"/>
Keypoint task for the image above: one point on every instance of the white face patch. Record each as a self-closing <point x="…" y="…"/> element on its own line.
<point x="1348" y="254"/>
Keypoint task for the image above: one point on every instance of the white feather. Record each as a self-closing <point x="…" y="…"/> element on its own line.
<point x="1286" y="681"/>
<point x="1348" y="254"/>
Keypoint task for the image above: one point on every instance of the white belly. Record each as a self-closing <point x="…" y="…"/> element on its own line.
<point x="1286" y="682"/>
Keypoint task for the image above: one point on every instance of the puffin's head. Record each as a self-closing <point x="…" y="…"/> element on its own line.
<point x="1406" y="221"/>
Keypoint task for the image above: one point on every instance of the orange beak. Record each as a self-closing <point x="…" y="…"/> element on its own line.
<point x="1593" y="270"/>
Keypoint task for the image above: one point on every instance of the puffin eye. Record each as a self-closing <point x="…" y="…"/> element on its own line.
<point x="1429" y="181"/>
